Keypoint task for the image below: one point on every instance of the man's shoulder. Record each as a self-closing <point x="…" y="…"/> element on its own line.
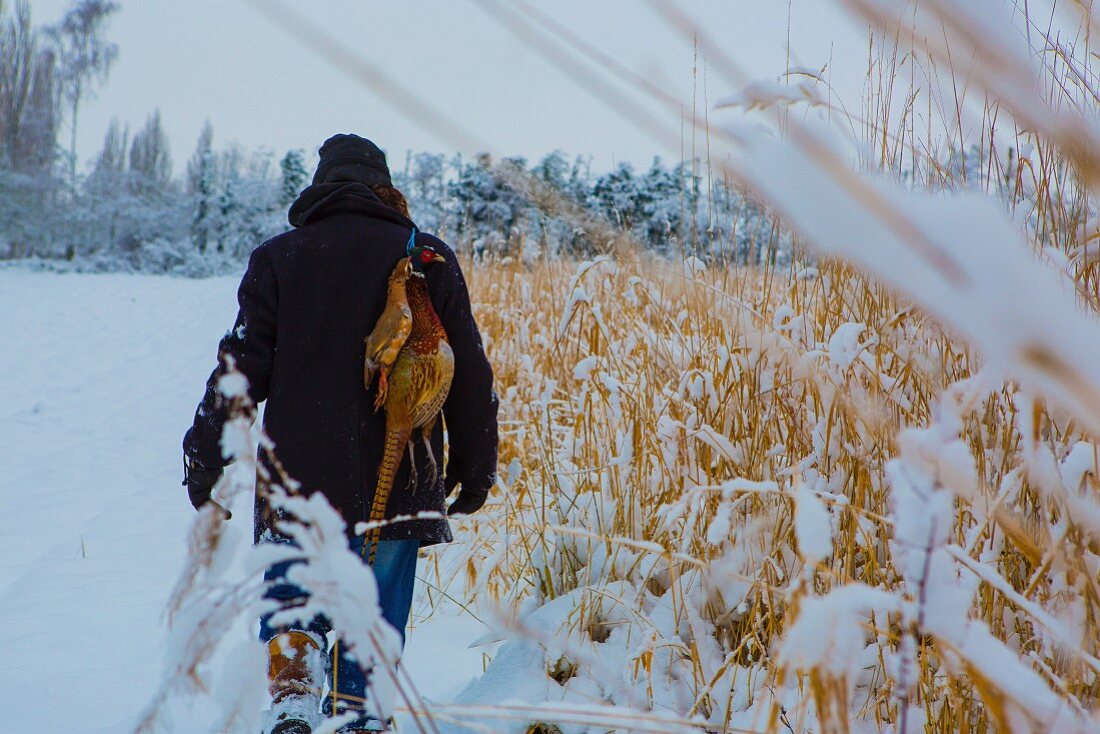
<point x="284" y="240"/>
<point x="282" y="248"/>
<point x="285" y="244"/>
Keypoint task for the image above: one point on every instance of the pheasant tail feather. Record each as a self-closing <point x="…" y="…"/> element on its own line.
<point x="396" y="438"/>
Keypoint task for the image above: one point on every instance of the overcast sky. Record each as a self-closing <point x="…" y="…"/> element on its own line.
<point x="221" y="60"/>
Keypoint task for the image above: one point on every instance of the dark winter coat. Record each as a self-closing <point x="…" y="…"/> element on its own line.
<point x="307" y="301"/>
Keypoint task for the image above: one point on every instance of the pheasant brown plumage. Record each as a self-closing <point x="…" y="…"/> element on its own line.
<point x="418" y="383"/>
<point x="389" y="333"/>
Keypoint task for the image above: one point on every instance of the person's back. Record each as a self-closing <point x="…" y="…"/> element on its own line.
<point x="308" y="300"/>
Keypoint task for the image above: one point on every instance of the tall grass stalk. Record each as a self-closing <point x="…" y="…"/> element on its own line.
<point x="701" y="468"/>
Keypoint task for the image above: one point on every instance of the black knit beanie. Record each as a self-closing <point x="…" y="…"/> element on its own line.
<point x="352" y="150"/>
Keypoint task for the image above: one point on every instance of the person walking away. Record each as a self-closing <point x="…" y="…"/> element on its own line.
<point x="308" y="300"/>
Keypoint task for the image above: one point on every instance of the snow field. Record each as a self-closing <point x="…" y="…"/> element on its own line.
<point x="99" y="376"/>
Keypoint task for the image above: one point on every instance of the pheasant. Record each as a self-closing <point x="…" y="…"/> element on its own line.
<point x="417" y="377"/>
<point x="390" y="332"/>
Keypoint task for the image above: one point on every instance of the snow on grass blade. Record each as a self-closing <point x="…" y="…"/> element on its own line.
<point x="220" y="585"/>
<point x="1004" y="65"/>
<point x="984" y="281"/>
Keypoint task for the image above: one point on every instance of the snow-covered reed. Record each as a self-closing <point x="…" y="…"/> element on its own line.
<point x="775" y="498"/>
<point x="843" y="495"/>
<point x="221" y="587"/>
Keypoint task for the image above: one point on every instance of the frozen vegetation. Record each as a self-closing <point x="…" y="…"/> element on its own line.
<point x="121" y="220"/>
<point x="126" y="210"/>
<point x="849" y="488"/>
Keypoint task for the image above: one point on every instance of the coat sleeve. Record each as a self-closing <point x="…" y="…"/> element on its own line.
<point x="251" y="344"/>
<point x="470" y="412"/>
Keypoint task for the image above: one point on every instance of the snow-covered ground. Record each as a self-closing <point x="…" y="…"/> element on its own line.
<point x="99" y="377"/>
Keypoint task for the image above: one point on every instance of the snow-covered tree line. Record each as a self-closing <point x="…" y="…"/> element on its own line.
<point x="128" y="208"/>
<point x="129" y="212"/>
<point x="549" y="207"/>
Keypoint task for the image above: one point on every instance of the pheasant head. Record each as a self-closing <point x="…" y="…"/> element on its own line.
<point x="420" y="257"/>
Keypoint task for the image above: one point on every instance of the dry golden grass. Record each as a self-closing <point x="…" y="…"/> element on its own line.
<point x="695" y="381"/>
<point x="657" y="429"/>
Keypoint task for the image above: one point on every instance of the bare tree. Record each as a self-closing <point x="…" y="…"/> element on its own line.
<point x="113" y="155"/>
<point x="109" y="172"/>
<point x="150" y="157"/>
<point x="36" y="147"/>
<point x="28" y="114"/>
<point x="84" y="57"/>
<point x="17" y="48"/>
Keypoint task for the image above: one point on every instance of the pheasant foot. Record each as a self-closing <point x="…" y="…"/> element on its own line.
<point x="411" y="485"/>
<point x="426" y="438"/>
<point x="383" y="389"/>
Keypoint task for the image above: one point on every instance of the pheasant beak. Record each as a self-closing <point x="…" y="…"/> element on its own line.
<point x="439" y="259"/>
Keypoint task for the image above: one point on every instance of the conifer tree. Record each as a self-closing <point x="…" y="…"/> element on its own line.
<point x="294" y="176"/>
<point x="202" y="186"/>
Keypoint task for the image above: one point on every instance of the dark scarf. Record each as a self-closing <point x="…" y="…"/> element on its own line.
<point x="320" y="200"/>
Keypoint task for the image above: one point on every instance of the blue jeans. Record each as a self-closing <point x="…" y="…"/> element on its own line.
<point x="395" y="571"/>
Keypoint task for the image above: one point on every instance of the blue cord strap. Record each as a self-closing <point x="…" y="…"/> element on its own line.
<point x="412" y="242"/>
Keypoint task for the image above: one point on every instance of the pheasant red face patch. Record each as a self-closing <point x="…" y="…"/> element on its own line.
<point x="426" y="255"/>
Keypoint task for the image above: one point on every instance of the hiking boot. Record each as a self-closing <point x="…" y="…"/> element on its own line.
<point x="292" y="727"/>
<point x="294" y="673"/>
<point x="364" y="725"/>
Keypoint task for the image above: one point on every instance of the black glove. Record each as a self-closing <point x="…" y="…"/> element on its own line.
<point x="199" y="481"/>
<point x="468" y="501"/>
